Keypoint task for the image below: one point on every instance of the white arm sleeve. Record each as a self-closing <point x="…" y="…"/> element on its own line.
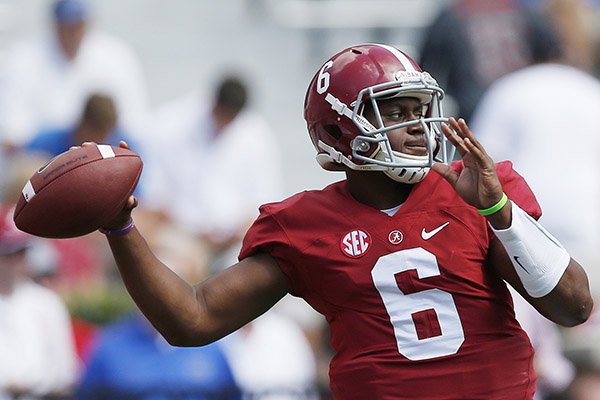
<point x="539" y="259"/>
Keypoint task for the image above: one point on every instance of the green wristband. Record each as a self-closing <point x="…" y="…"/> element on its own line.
<point x="496" y="207"/>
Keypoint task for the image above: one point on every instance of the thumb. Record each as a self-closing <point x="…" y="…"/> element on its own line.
<point x="132" y="202"/>
<point x="124" y="216"/>
<point x="446" y="172"/>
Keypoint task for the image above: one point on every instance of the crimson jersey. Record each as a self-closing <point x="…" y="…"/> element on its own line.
<point x="414" y="309"/>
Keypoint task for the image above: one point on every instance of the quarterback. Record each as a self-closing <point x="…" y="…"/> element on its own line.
<point x="408" y="257"/>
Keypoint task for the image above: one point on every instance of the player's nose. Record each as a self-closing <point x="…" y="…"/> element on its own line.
<point x="416" y="128"/>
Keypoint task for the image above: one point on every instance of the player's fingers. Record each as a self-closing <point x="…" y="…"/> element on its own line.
<point x="453" y="138"/>
<point x="469" y="143"/>
<point x="132" y="202"/>
<point x="446" y="172"/>
<point x="459" y="127"/>
<point x="482" y="159"/>
<point x="467" y="133"/>
<point x="84" y="144"/>
<point x="124" y="216"/>
<point x="123" y="144"/>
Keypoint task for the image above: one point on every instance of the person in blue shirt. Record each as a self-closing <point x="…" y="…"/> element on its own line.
<point x="132" y="361"/>
<point x="98" y="124"/>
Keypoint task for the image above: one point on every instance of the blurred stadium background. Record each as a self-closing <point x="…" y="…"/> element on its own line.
<point x="276" y="44"/>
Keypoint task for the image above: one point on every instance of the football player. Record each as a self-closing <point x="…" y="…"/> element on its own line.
<point x="410" y="267"/>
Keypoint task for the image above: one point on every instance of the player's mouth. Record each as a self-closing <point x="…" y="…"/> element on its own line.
<point x="418" y="148"/>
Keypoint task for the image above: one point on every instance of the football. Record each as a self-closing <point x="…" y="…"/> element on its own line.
<point x="78" y="191"/>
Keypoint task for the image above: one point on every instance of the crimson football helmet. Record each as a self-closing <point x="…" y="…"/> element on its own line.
<point x="336" y="99"/>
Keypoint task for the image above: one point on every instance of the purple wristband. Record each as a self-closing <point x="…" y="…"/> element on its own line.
<point x="118" y="232"/>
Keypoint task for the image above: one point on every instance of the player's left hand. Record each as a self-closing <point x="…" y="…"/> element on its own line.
<point x="477" y="183"/>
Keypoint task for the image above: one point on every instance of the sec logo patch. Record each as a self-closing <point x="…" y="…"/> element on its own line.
<point x="355" y="243"/>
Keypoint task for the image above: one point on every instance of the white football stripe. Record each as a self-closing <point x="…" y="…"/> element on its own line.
<point x="28" y="191"/>
<point x="400" y="56"/>
<point x="106" y="151"/>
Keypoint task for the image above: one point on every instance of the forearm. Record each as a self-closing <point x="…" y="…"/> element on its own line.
<point x="540" y="268"/>
<point x="166" y="300"/>
<point x="196" y="315"/>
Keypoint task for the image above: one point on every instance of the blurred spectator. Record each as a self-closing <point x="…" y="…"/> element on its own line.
<point x="44" y="260"/>
<point x="36" y="345"/>
<point x="212" y="163"/>
<point x="474" y="42"/>
<point x="132" y="361"/>
<point x="555" y="371"/>
<point x="574" y="24"/>
<point x="98" y="123"/>
<point x="46" y="82"/>
<point x="231" y="155"/>
<point x="77" y="263"/>
<point x="582" y="347"/>
<point x="533" y="117"/>
<point x="586" y="386"/>
<point x="272" y="360"/>
<point x="73" y="268"/>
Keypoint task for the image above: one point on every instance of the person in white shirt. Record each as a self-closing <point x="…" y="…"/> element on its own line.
<point x="271" y="359"/>
<point x="536" y="118"/>
<point x="211" y="165"/>
<point x="45" y="82"/>
<point x="36" y="342"/>
<point x="553" y="144"/>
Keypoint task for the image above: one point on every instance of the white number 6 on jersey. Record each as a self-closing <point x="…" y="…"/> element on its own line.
<point x="400" y="306"/>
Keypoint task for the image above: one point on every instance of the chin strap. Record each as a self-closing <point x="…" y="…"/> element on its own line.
<point x="332" y="156"/>
<point x="333" y="160"/>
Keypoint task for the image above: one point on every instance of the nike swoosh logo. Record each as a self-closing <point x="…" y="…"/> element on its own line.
<point x="520" y="265"/>
<point x="428" y="235"/>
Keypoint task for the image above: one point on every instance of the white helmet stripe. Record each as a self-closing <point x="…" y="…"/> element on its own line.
<point x="400" y="56"/>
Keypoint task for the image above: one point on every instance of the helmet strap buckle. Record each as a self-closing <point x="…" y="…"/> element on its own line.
<point x="336" y="104"/>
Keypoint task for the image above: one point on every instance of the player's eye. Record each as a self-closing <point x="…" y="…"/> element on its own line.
<point x="398" y="116"/>
<point x="403" y="115"/>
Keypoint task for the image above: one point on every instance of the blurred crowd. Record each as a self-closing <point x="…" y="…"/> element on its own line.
<point x="523" y="73"/>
